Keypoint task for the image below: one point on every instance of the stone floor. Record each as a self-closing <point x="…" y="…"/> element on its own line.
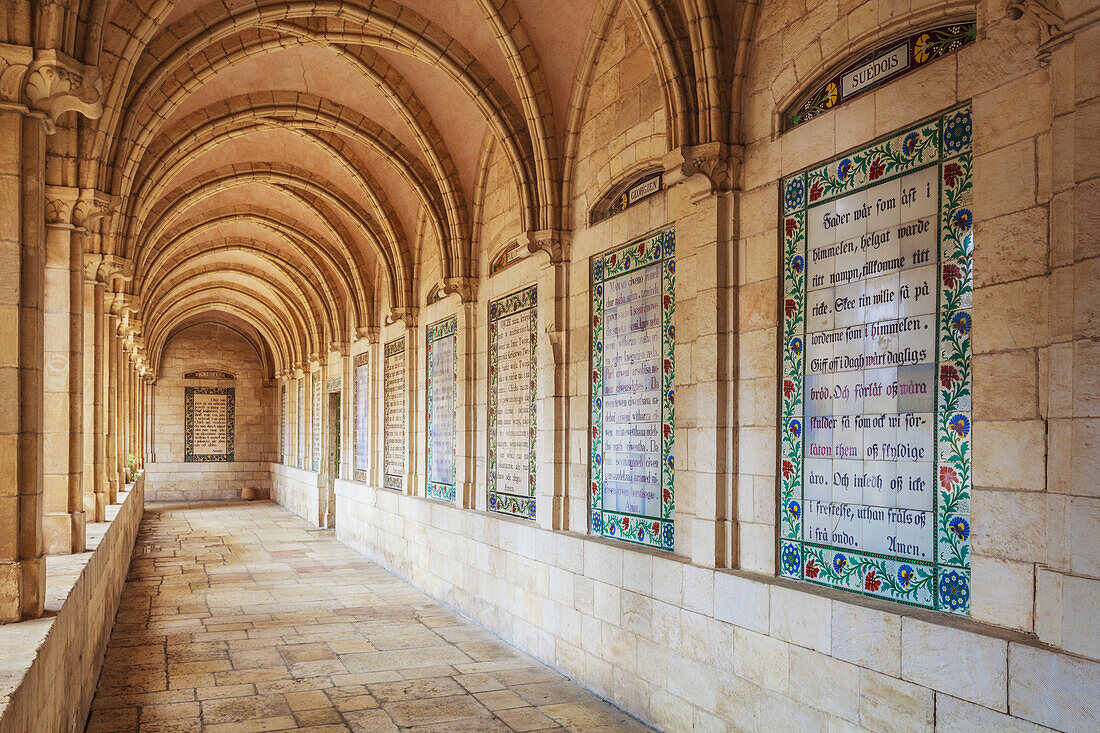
<point x="242" y="617"/>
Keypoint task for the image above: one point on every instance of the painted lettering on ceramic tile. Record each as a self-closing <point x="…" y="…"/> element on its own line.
<point x="633" y="336"/>
<point x="874" y="478"/>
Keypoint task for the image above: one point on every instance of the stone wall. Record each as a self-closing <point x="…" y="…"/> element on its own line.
<point x="256" y="436"/>
<point x="706" y="636"/>
<point x="50" y="666"/>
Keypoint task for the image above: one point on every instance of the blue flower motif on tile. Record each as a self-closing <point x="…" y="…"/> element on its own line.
<point x="839" y="561"/>
<point x="957" y="129"/>
<point x="667" y="537"/>
<point x="909" y="144"/>
<point x="795" y="193"/>
<point x="792" y="559"/>
<point x="794" y="509"/>
<point x="960" y="527"/>
<point x="906" y="574"/>
<point x="843" y="169"/>
<point x="795" y="427"/>
<point x="961" y="322"/>
<point x="954" y="590"/>
<point x="962" y="220"/>
<point x="959" y="425"/>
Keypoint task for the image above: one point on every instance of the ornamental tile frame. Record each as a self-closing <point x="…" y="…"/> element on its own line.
<point x="942" y="582"/>
<point x="447" y="328"/>
<point x="361" y="442"/>
<point x="315" y="423"/>
<point x="392" y="479"/>
<point x="301" y="453"/>
<point x="189" y="455"/>
<point x="523" y="301"/>
<point x="657" y="532"/>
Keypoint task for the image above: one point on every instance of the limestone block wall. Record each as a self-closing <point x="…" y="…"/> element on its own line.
<point x="64" y="649"/>
<point x="216" y="347"/>
<point x="684" y="646"/>
<point x="706" y="636"/>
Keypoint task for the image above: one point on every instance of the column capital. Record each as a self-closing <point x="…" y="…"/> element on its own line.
<point x="706" y="169"/>
<point x="554" y="242"/>
<point x="109" y="270"/>
<point x="60" y="202"/>
<point x="49" y="83"/>
<point x="405" y="315"/>
<point x="464" y="287"/>
<point x="91" y="206"/>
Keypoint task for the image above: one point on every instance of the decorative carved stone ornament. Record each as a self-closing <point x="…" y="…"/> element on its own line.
<point x="1046" y="13"/>
<point x="705" y="169"/>
<point x="50" y="83"/>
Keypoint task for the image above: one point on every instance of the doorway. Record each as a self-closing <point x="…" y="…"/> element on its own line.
<point x="332" y="471"/>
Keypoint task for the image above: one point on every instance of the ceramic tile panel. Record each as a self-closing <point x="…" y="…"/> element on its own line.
<point x="394" y="415"/>
<point x="208" y="422"/>
<point x="362" y="416"/>
<point x="875" y="398"/>
<point x="633" y="399"/>
<point x="513" y="339"/>
<point x="442" y="408"/>
<point x="315" y="425"/>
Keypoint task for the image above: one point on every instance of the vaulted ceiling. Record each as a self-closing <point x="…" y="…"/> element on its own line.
<point x="275" y="163"/>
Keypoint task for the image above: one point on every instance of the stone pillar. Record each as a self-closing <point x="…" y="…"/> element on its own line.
<point x="22" y="267"/>
<point x="111" y="347"/>
<point x="100" y="481"/>
<point x="1066" y="583"/>
<point x="56" y="523"/>
<point x="552" y="385"/>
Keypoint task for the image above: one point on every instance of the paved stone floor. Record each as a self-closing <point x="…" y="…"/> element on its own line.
<point x="242" y="617"/>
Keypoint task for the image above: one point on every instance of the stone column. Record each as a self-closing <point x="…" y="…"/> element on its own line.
<point x="59" y="528"/>
<point x="552" y="386"/>
<point x="22" y="261"/>
<point x="111" y="347"/>
<point x="100" y="480"/>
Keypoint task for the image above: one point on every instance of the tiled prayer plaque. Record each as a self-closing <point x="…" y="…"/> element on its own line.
<point x="284" y="425"/>
<point x="875" y="430"/>
<point x="301" y="423"/>
<point x="512" y="341"/>
<point x="315" y="432"/>
<point x="393" y="458"/>
<point x="442" y="383"/>
<point x="362" y="415"/>
<point x="208" y="424"/>
<point x="632" y="402"/>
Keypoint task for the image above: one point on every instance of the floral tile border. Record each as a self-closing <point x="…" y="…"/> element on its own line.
<point x="658" y="533"/>
<point x="390" y="350"/>
<point x="189" y="455"/>
<point x="499" y="501"/>
<point x="943" y="584"/>
<point x="437" y="331"/>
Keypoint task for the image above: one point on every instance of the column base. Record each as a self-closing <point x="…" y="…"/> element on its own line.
<point x="22" y="589"/>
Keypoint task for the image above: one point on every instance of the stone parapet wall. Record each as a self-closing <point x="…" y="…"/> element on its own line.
<point x="683" y="646"/>
<point x="205" y="481"/>
<point x="297" y="491"/>
<point x="49" y="666"/>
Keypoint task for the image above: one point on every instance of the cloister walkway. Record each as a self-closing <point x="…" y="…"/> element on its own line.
<point x="241" y="617"/>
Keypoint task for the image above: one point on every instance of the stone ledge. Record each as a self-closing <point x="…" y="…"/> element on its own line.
<point x="50" y="665"/>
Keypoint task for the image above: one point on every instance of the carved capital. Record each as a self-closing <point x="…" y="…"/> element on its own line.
<point x="705" y="169"/>
<point x="91" y="207"/>
<point x="553" y="242"/>
<point x="15" y="63"/>
<point x="110" y="270"/>
<point x="464" y="287"/>
<point x="405" y="315"/>
<point x="56" y="84"/>
<point x="370" y="333"/>
<point x="60" y="202"/>
<point x="1046" y="13"/>
<point x="340" y="347"/>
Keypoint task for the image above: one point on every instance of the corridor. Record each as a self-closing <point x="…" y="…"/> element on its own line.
<point x="241" y="617"/>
